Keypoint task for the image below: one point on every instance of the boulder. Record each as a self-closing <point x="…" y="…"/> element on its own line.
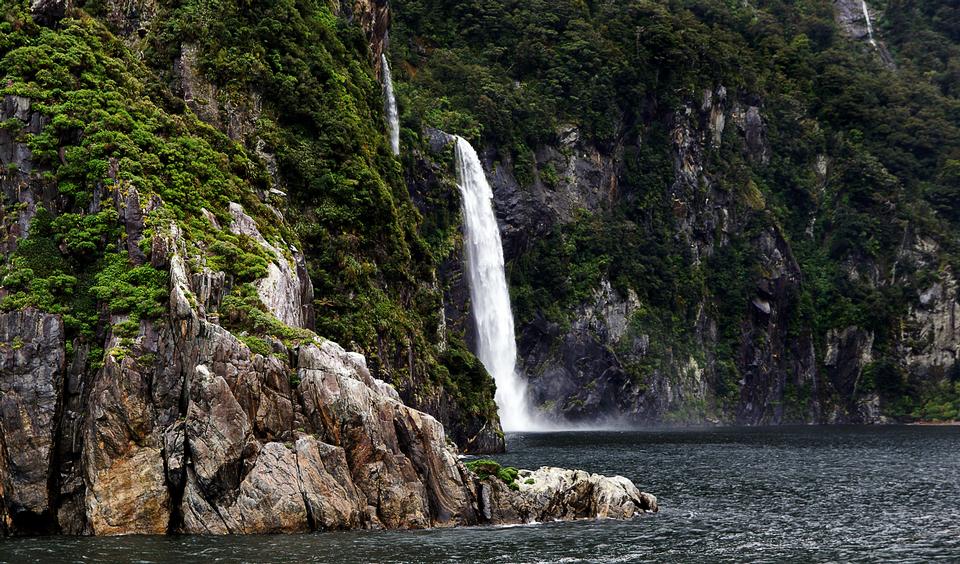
<point x="557" y="494"/>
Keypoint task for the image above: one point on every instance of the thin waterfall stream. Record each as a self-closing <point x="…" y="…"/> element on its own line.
<point x="390" y="106"/>
<point x="866" y="16"/>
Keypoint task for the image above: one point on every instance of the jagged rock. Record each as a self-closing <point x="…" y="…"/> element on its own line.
<point x="49" y="12"/>
<point x="32" y="365"/>
<point x="288" y="296"/>
<point x="331" y="497"/>
<point x="550" y="494"/>
<point x="750" y="123"/>
<point x="268" y="500"/>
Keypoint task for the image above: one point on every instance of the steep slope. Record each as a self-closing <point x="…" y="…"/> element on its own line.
<point x="159" y="372"/>
<point x="306" y="107"/>
<point x="711" y="212"/>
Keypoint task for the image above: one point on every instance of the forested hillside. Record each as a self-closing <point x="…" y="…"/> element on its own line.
<point x="713" y="210"/>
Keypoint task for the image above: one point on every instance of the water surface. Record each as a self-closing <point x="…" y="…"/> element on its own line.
<point x="802" y="494"/>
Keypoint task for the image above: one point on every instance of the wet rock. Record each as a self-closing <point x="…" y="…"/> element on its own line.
<point x="848" y="352"/>
<point x="128" y="405"/>
<point x="332" y="500"/>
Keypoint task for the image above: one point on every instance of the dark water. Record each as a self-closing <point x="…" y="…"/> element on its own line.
<point x="807" y="494"/>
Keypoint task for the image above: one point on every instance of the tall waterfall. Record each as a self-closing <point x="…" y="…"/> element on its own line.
<point x="866" y="16"/>
<point x="496" y="345"/>
<point x="390" y="105"/>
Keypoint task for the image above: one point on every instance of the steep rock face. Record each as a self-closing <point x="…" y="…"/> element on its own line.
<point x="850" y="16"/>
<point x="771" y="359"/>
<point x="130" y="402"/>
<point x="567" y="179"/>
<point x="32" y="367"/>
<point x="848" y="353"/>
<point x="931" y="335"/>
<point x="374" y="18"/>
<point x="588" y="377"/>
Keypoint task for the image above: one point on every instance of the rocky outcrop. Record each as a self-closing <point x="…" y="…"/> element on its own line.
<point x="49" y="12"/>
<point x="852" y="18"/>
<point x="286" y="290"/>
<point x="32" y="367"/>
<point x="552" y="494"/>
<point x="373" y="16"/>
<point x="184" y="429"/>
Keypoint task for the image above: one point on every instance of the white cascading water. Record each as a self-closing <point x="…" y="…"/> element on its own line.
<point x="866" y="16"/>
<point x="390" y="106"/>
<point x="496" y="344"/>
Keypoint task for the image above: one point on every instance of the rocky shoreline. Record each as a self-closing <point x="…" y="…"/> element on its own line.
<point x="191" y="432"/>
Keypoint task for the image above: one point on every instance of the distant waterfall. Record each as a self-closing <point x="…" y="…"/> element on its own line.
<point x="390" y="106"/>
<point x="866" y="16"/>
<point x="496" y="344"/>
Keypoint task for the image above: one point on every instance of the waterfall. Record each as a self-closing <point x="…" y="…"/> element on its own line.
<point x="496" y="345"/>
<point x="390" y="105"/>
<point x="866" y="16"/>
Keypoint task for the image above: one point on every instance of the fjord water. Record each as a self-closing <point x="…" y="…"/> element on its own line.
<point x="807" y="494"/>
<point x="489" y="297"/>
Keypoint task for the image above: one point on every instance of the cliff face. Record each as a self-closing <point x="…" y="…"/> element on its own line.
<point x="599" y="366"/>
<point x="593" y="369"/>
<point x="158" y="368"/>
<point x="690" y="243"/>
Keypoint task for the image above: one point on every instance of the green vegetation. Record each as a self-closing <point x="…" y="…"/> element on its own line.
<point x="116" y="131"/>
<point x="292" y="84"/>
<point x="485" y="468"/>
<point x="105" y="138"/>
<point x="512" y="74"/>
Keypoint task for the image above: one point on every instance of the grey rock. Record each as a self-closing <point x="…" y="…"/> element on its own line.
<point x="32" y="366"/>
<point x="49" y="12"/>
<point x="557" y="494"/>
